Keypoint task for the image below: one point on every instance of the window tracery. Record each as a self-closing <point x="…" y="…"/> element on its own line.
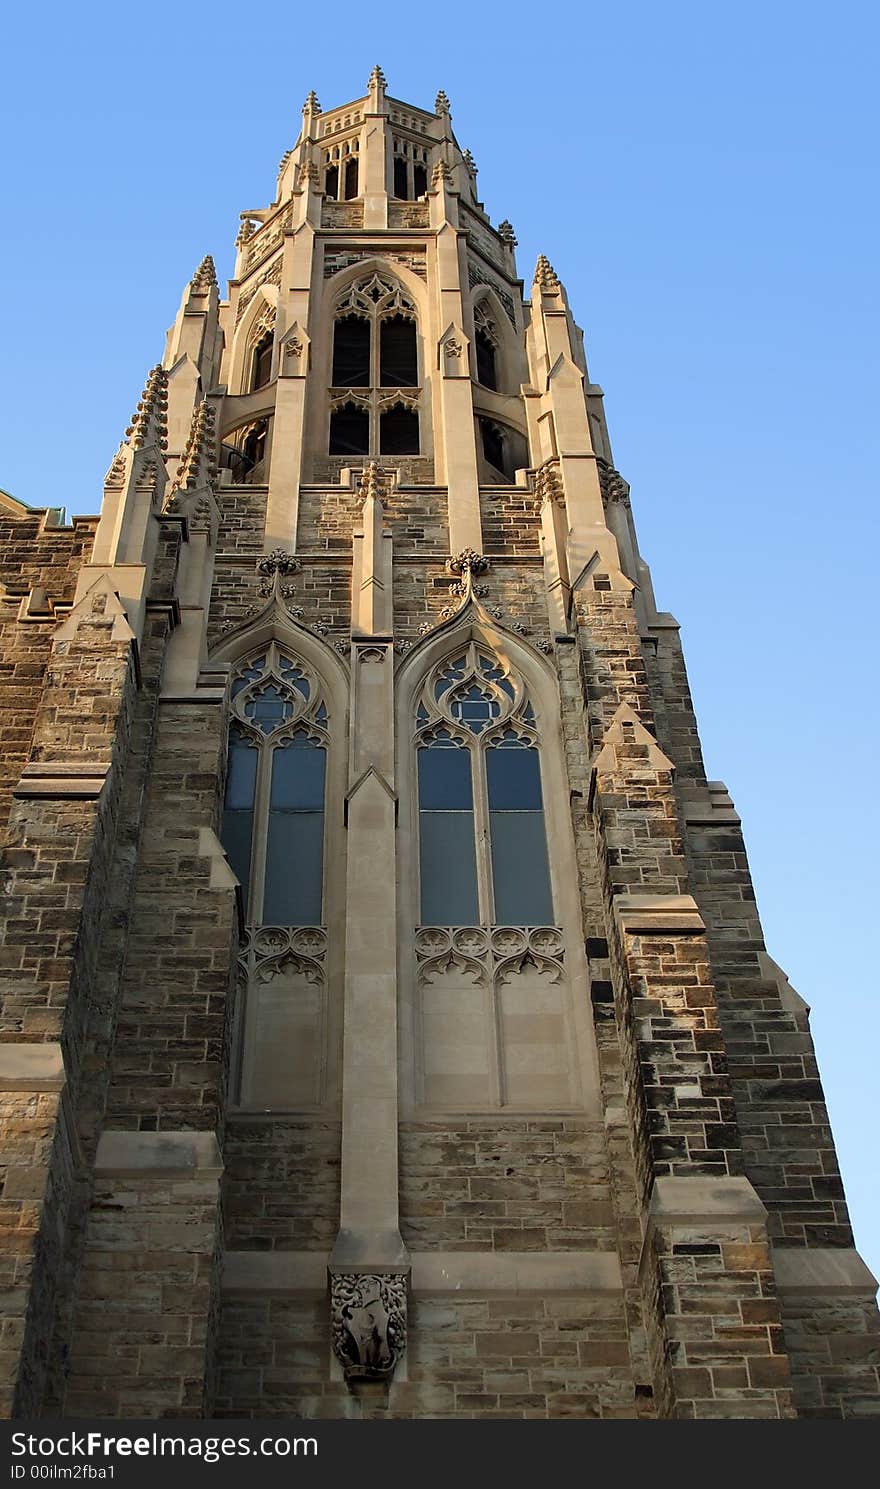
<point x="374" y="396"/>
<point x="273" y="819"/>
<point x="410" y="170"/>
<point x="483" y="849"/>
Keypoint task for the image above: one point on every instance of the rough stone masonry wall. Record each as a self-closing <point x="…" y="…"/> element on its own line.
<point x="710" y="1359"/>
<point x="788" y="1146"/>
<point x="57" y="856"/>
<point x="168" y="1074"/>
<point x="33" y="557"/>
<point x="520" y="1356"/>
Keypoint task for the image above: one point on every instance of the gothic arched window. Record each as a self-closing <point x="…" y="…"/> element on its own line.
<point x="261" y="362"/>
<point x="486" y="344"/>
<point x="410" y="169"/>
<point x="273" y="817"/>
<point x="504" y="451"/>
<point x="482" y="837"/>
<point x="375" y="347"/>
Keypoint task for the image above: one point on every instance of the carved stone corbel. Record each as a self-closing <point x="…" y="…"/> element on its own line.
<point x="368" y="1319"/>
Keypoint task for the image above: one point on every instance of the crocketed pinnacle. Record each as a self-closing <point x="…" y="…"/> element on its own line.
<point x="197" y="466"/>
<point x="205" y="275"/>
<point x="311" y="104"/>
<point x="441" y="103"/>
<point x="377" y="78"/>
<point x="149" y="422"/>
<point x="470" y="162"/>
<point x="506" y="233"/>
<point x="372" y="481"/>
<point x="545" y="275"/>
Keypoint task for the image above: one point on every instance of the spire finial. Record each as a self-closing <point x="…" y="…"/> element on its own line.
<point x="545" y="275"/>
<point x="311" y="105"/>
<point x="377" y="78"/>
<point x="441" y="103"/>
<point x="205" y="276"/>
<point x="149" y="421"/>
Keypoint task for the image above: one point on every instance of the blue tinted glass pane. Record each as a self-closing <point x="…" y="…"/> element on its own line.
<point x="445" y="780"/>
<point x="519" y="869"/>
<point x="448" y="868"/>
<point x="241" y="774"/>
<point x="294" y="868"/>
<point x="514" y="779"/>
<point x="297" y="776"/>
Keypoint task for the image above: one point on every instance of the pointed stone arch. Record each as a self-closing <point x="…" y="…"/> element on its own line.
<point x="509" y="355"/>
<point x="264" y="302"/>
<point x="288" y="1026"/>
<point x="505" y="993"/>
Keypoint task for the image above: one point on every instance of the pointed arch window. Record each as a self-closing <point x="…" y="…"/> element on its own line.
<point x="375" y="395"/>
<point x="273" y="817"/>
<point x="261" y="362"/>
<point x="482" y="836"/>
<point x="486" y="345"/>
<point x="410" y="176"/>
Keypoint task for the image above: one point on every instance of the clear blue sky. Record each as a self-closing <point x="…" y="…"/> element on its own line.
<point x="704" y="179"/>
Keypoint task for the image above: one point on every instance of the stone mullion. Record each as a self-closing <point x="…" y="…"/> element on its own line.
<point x="706" y="1272"/>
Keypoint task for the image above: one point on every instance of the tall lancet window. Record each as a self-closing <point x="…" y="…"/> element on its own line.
<point x="375" y="395"/>
<point x="273" y="819"/>
<point x="482" y="837"/>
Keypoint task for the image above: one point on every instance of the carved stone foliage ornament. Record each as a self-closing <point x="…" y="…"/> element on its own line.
<point x="468" y="561"/>
<point x="611" y="484"/>
<point x="278" y="562"/>
<point x="368" y="1319"/>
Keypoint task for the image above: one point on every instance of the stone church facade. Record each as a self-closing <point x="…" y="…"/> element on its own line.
<point x="387" y="1027"/>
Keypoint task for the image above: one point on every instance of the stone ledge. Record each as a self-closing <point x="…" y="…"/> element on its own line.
<point x="206" y="696"/>
<point x="705" y="1206"/>
<point x="435" y="1272"/>
<point x="822" y="1271"/>
<point x="63" y="778"/>
<point x="140" y="1154"/>
<point x="711" y="808"/>
<point x="666" y="913"/>
<point x="700" y="1201"/>
<point x="31" y="1067"/>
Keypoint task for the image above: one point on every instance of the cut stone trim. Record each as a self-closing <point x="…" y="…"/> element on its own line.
<point x="696" y="1200"/>
<point x="434" y="1272"/>
<point x="823" y="1270"/>
<point x="714" y="808"/>
<point x="141" y="1153"/>
<point x="672" y="913"/>
<point x="31" y="1067"/>
<point x="70" y="780"/>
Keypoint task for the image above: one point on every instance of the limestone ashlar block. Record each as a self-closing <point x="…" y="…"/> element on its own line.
<point x="159" y="1153"/>
<point x="31" y="1067"/>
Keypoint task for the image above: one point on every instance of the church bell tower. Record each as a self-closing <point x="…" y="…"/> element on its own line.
<point x="387" y="1023"/>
